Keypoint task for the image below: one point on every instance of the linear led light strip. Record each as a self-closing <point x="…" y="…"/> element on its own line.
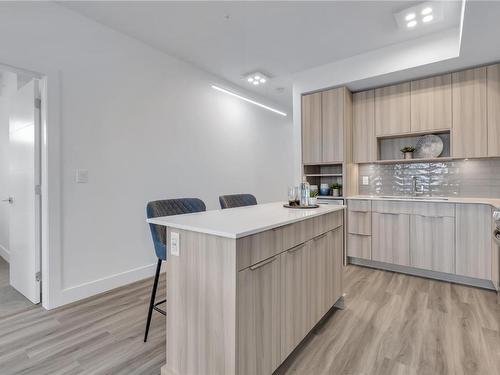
<point x="248" y="100"/>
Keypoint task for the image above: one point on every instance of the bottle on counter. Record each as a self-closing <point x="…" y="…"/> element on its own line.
<point x="304" y="192"/>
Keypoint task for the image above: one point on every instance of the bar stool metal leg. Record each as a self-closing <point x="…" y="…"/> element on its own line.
<point x="153" y="296"/>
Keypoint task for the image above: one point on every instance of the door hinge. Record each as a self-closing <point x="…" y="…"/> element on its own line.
<point x="38" y="189"/>
<point x="38" y="276"/>
<point x="38" y="103"/>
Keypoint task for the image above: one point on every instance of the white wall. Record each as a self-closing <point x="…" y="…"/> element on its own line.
<point x="146" y="126"/>
<point x="4" y="209"/>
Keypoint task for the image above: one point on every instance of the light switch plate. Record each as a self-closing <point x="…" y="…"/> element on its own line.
<point x="366" y="180"/>
<point x="174" y="243"/>
<point x="82" y="176"/>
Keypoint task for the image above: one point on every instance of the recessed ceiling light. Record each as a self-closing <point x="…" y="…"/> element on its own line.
<point x="427" y="18"/>
<point x="410" y="16"/>
<point x="256" y="78"/>
<point x="411" y="24"/>
<point x="425" y="11"/>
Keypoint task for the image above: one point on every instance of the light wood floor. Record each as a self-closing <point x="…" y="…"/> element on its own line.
<point x="398" y="324"/>
<point x="102" y="335"/>
<point x="392" y="324"/>
<point x="11" y="301"/>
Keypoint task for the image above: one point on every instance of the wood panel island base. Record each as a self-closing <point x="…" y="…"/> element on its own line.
<point x="248" y="284"/>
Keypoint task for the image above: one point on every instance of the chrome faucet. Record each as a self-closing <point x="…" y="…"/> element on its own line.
<point x="416" y="191"/>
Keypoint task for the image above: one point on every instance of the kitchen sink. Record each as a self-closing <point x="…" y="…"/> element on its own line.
<point x="413" y="198"/>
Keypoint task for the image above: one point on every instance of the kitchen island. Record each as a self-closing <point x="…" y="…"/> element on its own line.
<point x="246" y="285"/>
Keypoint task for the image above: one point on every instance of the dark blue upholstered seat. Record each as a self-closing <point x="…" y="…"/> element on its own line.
<point x="237" y="200"/>
<point x="168" y="207"/>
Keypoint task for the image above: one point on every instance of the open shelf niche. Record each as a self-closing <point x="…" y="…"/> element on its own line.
<point x="388" y="148"/>
<point x="318" y="174"/>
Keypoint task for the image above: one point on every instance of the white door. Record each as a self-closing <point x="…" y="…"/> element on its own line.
<point x="24" y="176"/>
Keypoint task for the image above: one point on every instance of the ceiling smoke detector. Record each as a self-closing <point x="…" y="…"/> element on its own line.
<point x="256" y="78"/>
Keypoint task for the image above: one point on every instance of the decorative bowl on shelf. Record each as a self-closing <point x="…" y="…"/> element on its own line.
<point x="428" y="147"/>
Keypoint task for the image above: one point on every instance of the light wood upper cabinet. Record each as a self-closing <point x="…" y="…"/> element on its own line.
<point x="473" y="240"/>
<point x="432" y="243"/>
<point x="391" y="238"/>
<point x="311" y="129"/>
<point x="332" y="125"/>
<point x="392" y="109"/>
<point x="431" y="104"/>
<point x="364" y="142"/>
<point x="259" y="333"/>
<point x="470" y="129"/>
<point x="493" y="85"/>
<point x="295" y="317"/>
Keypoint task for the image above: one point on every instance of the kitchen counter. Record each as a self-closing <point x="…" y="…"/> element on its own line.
<point x="242" y="221"/>
<point x="246" y="285"/>
<point x="495" y="203"/>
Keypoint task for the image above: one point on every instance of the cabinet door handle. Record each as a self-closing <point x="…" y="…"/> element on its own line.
<point x="263" y="263"/>
<point x="432" y="216"/>
<point x="294" y="249"/>
<point x="319" y="237"/>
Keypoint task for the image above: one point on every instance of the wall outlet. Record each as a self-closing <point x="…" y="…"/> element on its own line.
<point x="365" y="180"/>
<point x="82" y="176"/>
<point x="174" y="243"/>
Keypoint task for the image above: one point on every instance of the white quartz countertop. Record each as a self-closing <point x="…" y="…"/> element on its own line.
<point x="242" y="221"/>
<point x="489" y="201"/>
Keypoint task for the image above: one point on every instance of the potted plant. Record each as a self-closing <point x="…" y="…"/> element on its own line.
<point x="313" y="197"/>
<point x="408" y="152"/>
<point x="336" y="189"/>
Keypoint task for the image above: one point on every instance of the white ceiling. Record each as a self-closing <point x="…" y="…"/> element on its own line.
<point x="230" y="39"/>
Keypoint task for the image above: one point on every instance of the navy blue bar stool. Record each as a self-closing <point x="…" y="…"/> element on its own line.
<point x="237" y="200"/>
<point x="166" y="207"/>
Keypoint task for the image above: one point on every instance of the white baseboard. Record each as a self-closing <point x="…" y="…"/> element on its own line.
<point x="4" y="253"/>
<point x="92" y="288"/>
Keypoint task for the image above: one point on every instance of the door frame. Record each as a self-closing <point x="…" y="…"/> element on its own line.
<point x="50" y="221"/>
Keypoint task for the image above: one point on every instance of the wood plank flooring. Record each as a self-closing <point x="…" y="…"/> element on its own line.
<point x="392" y="324"/>
<point x="101" y="335"/>
<point x="399" y="324"/>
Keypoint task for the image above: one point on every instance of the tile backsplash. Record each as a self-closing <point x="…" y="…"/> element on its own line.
<point x="461" y="178"/>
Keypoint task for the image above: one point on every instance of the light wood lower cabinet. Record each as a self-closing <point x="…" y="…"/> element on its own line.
<point x="359" y="246"/>
<point x="432" y="243"/>
<point x="259" y="320"/>
<point x="325" y="274"/>
<point x="335" y="264"/>
<point x="474" y="240"/>
<point x="319" y="287"/>
<point x="391" y="238"/>
<point x="295" y="317"/>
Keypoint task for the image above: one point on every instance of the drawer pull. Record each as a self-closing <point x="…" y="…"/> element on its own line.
<point x="433" y="216"/>
<point x="263" y="263"/>
<point x="319" y="237"/>
<point x="294" y="249"/>
<point x="360" y="211"/>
